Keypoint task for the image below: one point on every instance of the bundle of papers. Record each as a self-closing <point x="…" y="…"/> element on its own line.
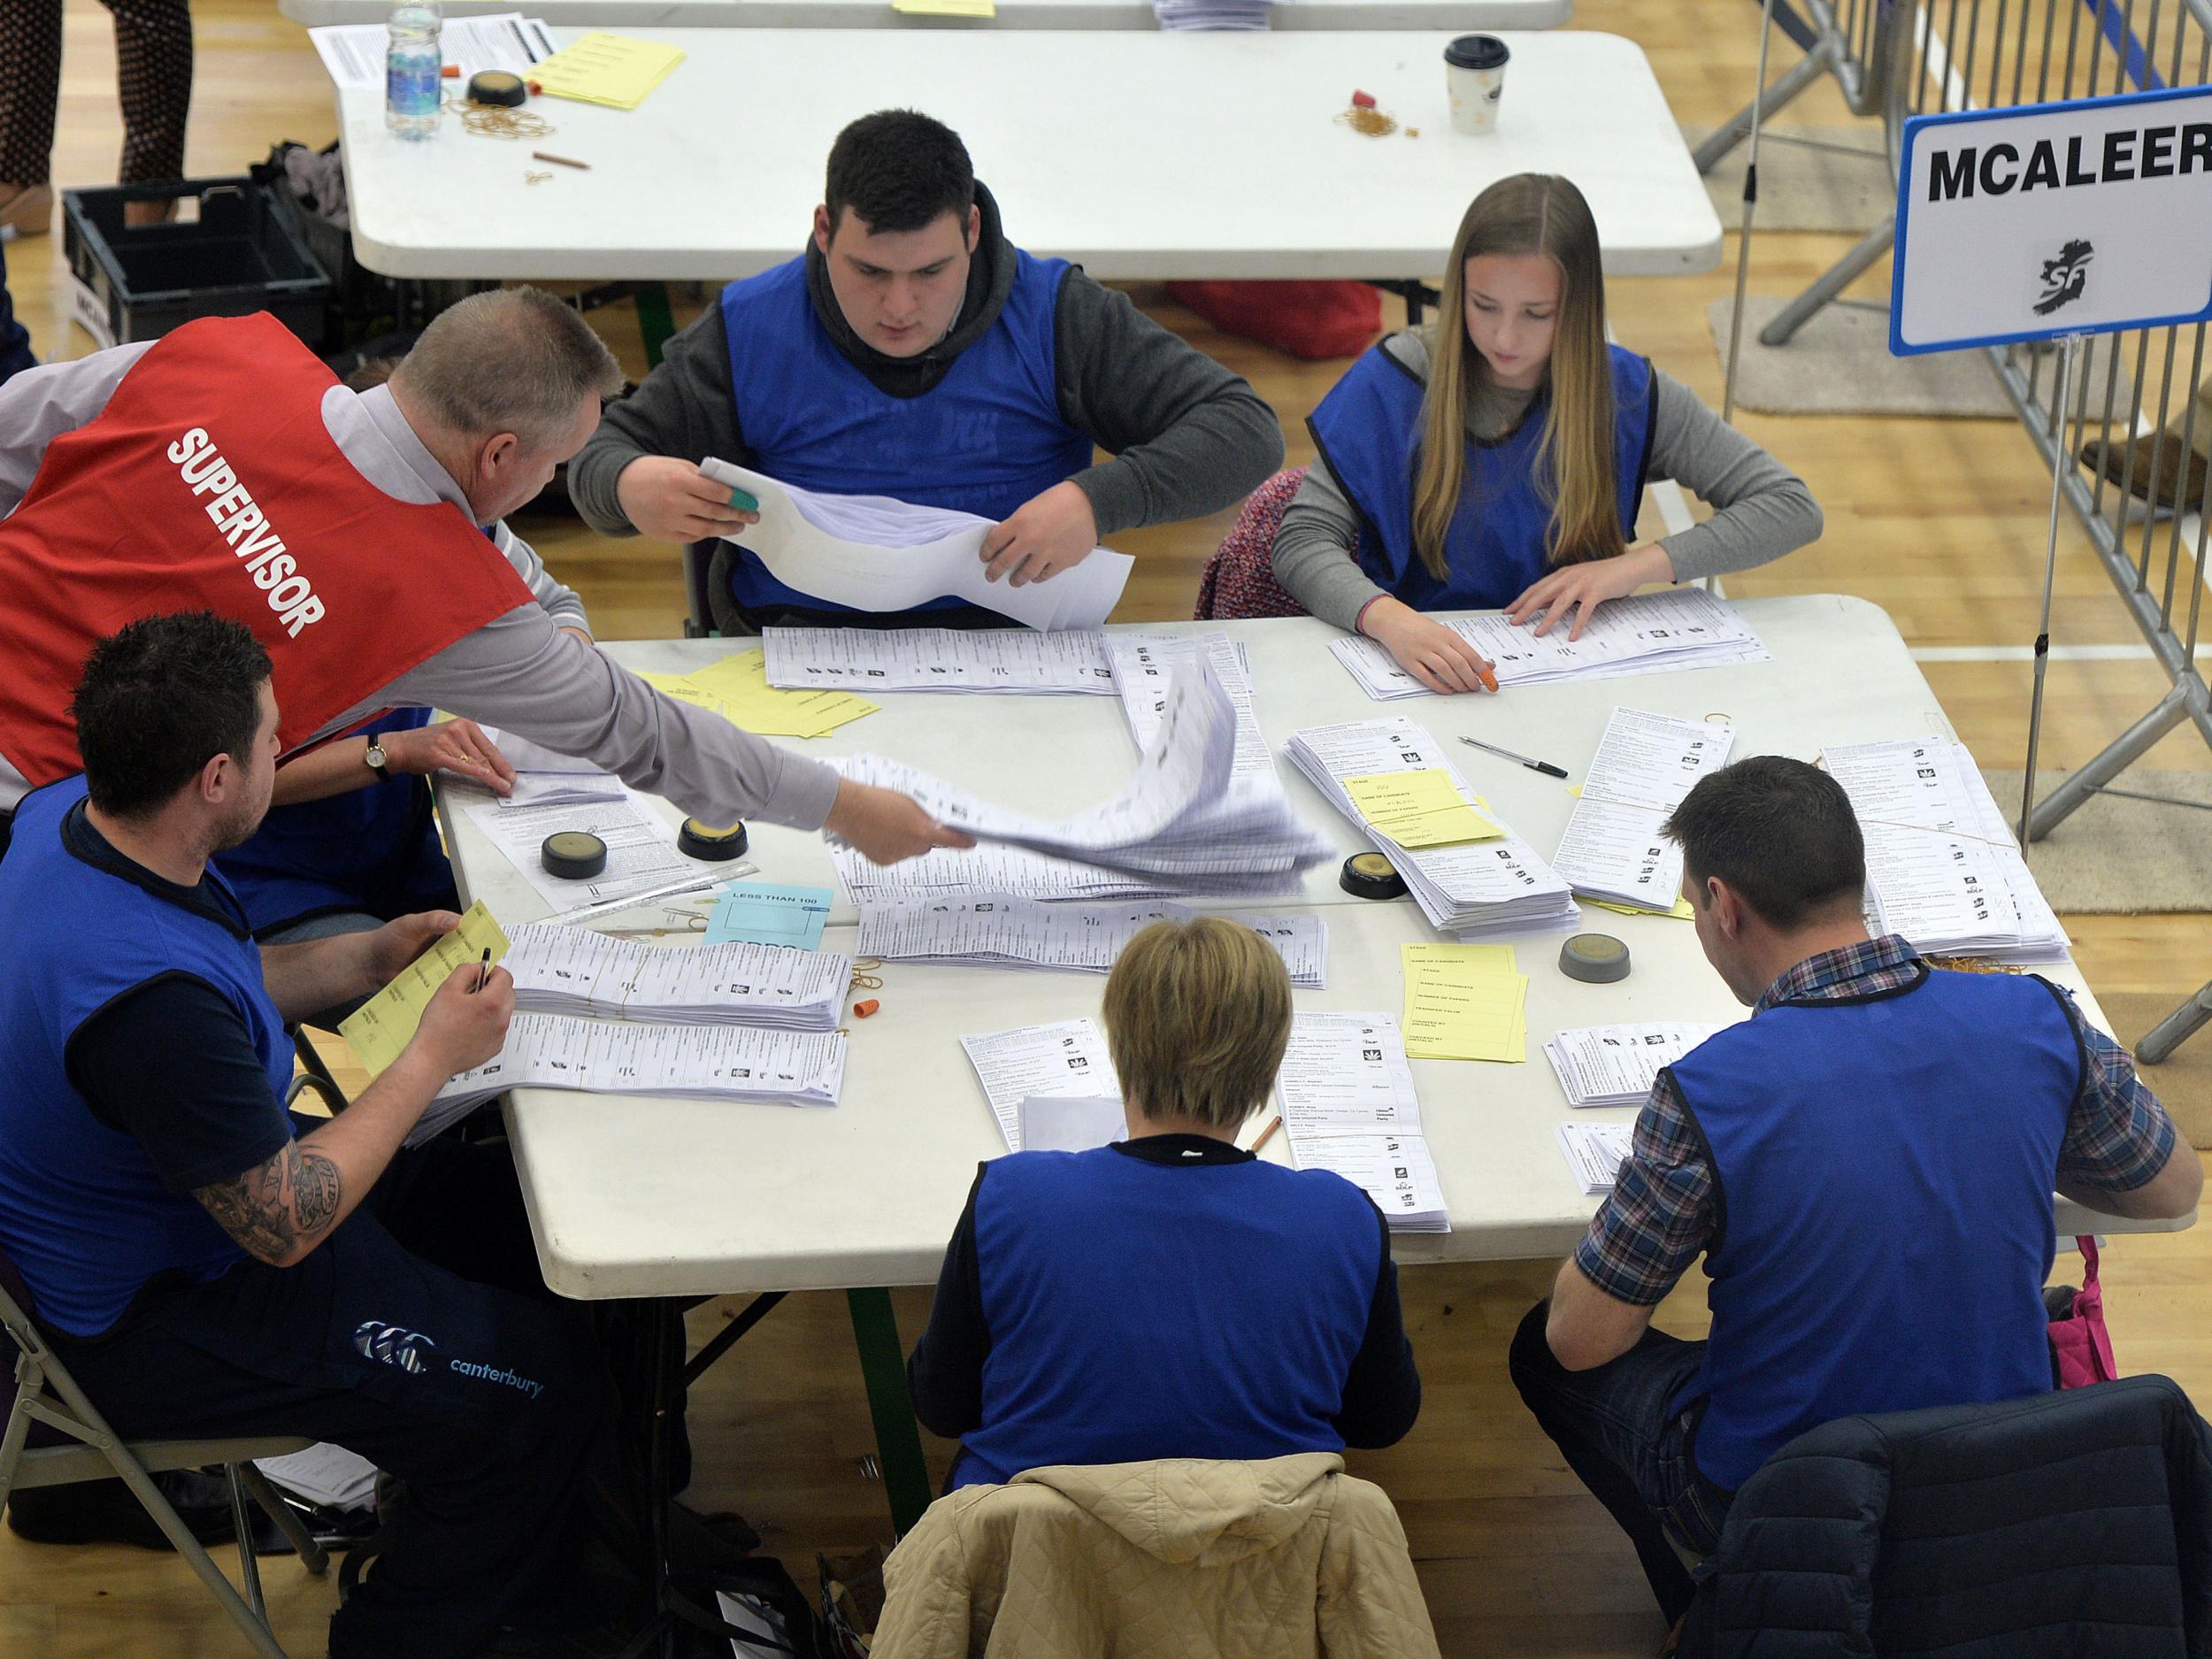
<point x="1004" y="931"/>
<point x="766" y="914"/>
<point x="1067" y="1058"/>
<point x="874" y="553"/>
<point x="1211" y="14"/>
<point x="939" y="659"/>
<point x="329" y="1477"/>
<point x="1613" y="849"/>
<point x="1616" y="1065"/>
<point x="1346" y="1092"/>
<point x="1465" y="1002"/>
<point x="353" y="53"/>
<point x="613" y="70"/>
<point x="737" y="688"/>
<point x="1144" y="666"/>
<point x="641" y="854"/>
<point x="1180" y="825"/>
<point x="1942" y="868"/>
<point x="748" y="1063"/>
<point x="1480" y="889"/>
<point x="1594" y="1153"/>
<point x="1646" y="634"/>
<point x="543" y="778"/>
<point x="384" y="1024"/>
<point x="574" y="970"/>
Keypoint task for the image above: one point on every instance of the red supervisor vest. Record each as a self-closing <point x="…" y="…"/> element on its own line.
<point x="210" y="483"/>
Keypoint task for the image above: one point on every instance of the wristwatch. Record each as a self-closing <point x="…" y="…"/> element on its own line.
<point x="375" y="757"/>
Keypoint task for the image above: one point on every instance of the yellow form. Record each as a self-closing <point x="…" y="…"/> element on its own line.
<point x="384" y="1024"/>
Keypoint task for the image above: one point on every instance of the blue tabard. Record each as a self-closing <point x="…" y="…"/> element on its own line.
<point x="1139" y="1311"/>
<point x="1883" y="1170"/>
<point x="984" y="439"/>
<point x="373" y="849"/>
<point x="83" y="1215"/>
<point x="1368" y="429"/>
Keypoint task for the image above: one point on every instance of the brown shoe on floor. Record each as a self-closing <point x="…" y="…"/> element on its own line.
<point x="2132" y="464"/>
<point x="28" y="210"/>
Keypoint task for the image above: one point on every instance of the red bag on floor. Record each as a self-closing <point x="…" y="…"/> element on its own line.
<point x="1306" y="319"/>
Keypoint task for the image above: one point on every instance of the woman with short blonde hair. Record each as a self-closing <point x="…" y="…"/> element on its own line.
<point x="1498" y="460"/>
<point x="1258" y="1304"/>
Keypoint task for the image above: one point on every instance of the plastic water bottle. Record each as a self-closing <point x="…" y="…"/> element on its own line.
<point x="412" y="91"/>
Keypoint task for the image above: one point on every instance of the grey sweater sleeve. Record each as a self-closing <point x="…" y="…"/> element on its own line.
<point x="554" y="597"/>
<point x="1760" y="508"/>
<point x="683" y="408"/>
<point x="1188" y="436"/>
<point x="1312" y="554"/>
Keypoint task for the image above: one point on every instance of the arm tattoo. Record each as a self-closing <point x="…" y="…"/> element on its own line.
<point x="280" y="1206"/>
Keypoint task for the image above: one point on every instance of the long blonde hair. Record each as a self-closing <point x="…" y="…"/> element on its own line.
<point x="1528" y="213"/>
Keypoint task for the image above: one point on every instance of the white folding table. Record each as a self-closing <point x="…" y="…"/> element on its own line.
<point x="1139" y="155"/>
<point x="576" y="15"/>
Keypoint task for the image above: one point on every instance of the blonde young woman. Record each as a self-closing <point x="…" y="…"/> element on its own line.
<point x="1500" y="463"/>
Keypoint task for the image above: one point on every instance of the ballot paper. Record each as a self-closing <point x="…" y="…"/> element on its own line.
<point x="328" y="1476"/>
<point x="1594" y="1153"/>
<point x="543" y="778"/>
<point x="1000" y="931"/>
<point x="736" y="687"/>
<point x="385" y="1025"/>
<point x="1396" y="1171"/>
<point x="573" y="971"/>
<point x="1070" y="1123"/>
<point x="1646" y="634"/>
<point x="874" y="553"/>
<point x="1616" y="1065"/>
<point x="768" y="914"/>
<point x="1613" y="849"/>
<point x="748" y="1063"/>
<point x="1180" y="825"/>
<point x="1942" y="868"/>
<point x="1346" y="1074"/>
<point x="641" y="852"/>
<point x="939" y="659"/>
<point x="1465" y="1002"/>
<point x="1144" y="667"/>
<point x="1067" y="1058"/>
<point x="353" y="53"/>
<point x="1476" y="890"/>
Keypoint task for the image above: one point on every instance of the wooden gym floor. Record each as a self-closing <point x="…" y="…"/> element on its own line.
<point x="1940" y="522"/>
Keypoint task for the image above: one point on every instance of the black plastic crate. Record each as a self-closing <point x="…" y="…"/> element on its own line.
<point x="239" y="255"/>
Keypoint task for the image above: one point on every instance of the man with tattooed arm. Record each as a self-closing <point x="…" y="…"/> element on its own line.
<point x="208" y="1264"/>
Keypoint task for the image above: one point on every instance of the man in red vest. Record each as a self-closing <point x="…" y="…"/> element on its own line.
<point x="223" y="468"/>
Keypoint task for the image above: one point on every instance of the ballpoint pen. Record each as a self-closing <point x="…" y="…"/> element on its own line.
<point x="1534" y="765"/>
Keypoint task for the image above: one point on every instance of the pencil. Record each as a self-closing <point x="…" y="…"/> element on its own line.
<point x="1267" y="1134"/>
<point x="544" y="155"/>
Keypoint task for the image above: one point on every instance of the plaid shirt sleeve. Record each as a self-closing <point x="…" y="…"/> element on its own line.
<point x="2117" y="1135"/>
<point x="1659" y="1218"/>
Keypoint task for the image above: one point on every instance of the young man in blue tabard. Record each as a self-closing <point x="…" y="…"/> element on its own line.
<point x="913" y="351"/>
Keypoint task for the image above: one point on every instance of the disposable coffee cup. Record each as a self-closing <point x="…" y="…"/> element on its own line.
<point x="1474" y="79"/>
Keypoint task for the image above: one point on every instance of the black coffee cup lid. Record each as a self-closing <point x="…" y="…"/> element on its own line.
<point x="1476" y="51"/>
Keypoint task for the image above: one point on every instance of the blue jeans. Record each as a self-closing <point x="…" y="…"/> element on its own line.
<point x="1613" y="1426"/>
<point x="15" y="340"/>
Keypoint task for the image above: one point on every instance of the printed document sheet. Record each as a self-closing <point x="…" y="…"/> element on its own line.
<point x="384" y="1024"/>
<point x="1613" y="849"/>
<point x="1003" y="931"/>
<point x="985" y="660"/>
<point x="1067" y="1057"/>
<point x="1346" y="1092"/>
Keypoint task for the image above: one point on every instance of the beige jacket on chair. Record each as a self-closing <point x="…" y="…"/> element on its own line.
<point x="1288" y="1558"/>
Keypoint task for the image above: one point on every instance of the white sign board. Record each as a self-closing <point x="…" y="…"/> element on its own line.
<point x="2054" y="218"/>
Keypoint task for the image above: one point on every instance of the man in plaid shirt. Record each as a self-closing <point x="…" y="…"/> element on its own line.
<point x="1866" y="1165"/>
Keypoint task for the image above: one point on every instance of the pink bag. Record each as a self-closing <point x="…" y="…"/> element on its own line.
<point x="2081" y="1348"/>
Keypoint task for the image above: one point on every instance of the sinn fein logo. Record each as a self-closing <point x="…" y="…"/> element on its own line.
<point x="2063" y="279"/>
<point x="391" y="1345"/>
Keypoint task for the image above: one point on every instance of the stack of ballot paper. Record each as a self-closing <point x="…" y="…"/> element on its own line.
<point x="1594" y="1153"/>
<point x="1613" y="850"/>
<point x="1144" y="669"/>
<point x="1346" y="1092"/>
<point x="1182" y="825"/>
<point x="1616" y="1065"/>
<point x="1649" y="634"/>
<point x="385" y="1025"/>
<point x="873" y="553"/>
<point x="1942" y="868"/>
<point x="614" y="70"/>
<point x="543" y="778"/>
<point x="1465" y="1002"/>
<point x="576" y="972"/>
<point x="939" y="659"/>
<point x="736" y="687"/>
<point x="745" y="1062"/>
<point x="1068" y="1058"/>
<point x="1474" y="889"/>
<point x="1004" y="931"/>
<point x="328" y="1476"/>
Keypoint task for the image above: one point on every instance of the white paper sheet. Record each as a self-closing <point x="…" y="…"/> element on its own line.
<point x="1000" y="930"/>
<point x="641" y="848"/>
<point x="326" y="1474"/>
<point x="1396" y="1171"/>
<point x="1067" y="1057"/>
<point x="575" y="971"/>
<point x="1346" y="1074"/>
<point x="1144" y="668"/>
<point x="1070" y="1123"/>
<point x="353" y="53"/>
<point x="1613" y="848"/>
<point x="982" y="660"/>
<point x="1594" y="1153"/>
<point x="874" y="553"/>
<point x="1616" y="1065"/>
